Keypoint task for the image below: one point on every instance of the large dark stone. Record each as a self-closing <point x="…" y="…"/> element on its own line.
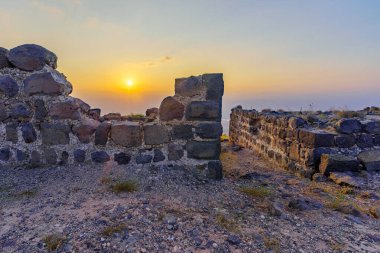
<point x="85" y="129"/>
<point x="175" y="152"/>
<point x="65" y="110"/>
<point x="364" y="141"/>
<point x="296" y="122"/>
<point x="313" y="156"/>
<point x="94" y="113"/>
<point x="64" y="158"/>
<point x="142" y="158"/>
<point x="182" y="132"/>
<point x="158" y="156"/>
<point x="32" y="57"/>
<point x="155" y="134"/>
<point x="79" y="155"/>
<point x="209" y="130"/>
<point x="315" y="138"/>
<point x="3" y="112"/>
<point x="11" y="132"/>
<point x="348" y="126"/>
<point x="112" y="116"/>
<point x="5" y="154"/>
<point x="4" y="63"/>
<point x="43" y="84"/>
<point x="101" y="133"/>
<point x="50" y="156"/>
<point x="338" y="163"/>
<point x="126" y="135"/>
<point x="28" y="133"/>
<point x="376" y="140"/>
<point x="20" y="111"/>
<point x="345" y="141"/>
<point x="151" y="112"/>
<point x="203" y="149"/>
<point x="372" y="127"/>
<point x="122" y="158"/>
<point x="40" y="111"/>
<point x="55" y="133"/>
<point x="21" y="155"/>
<point x="203" y="110"/>
<point x="35" y="159"/>
<point x="100" y="157"/>
<point x="188" y="87"/>
<point x="171" y="109"/>
<point x="8" y="86"/>
<point x="370" y="159"/>
<point x="215" y="86"/>
<point x="214" y="170"/>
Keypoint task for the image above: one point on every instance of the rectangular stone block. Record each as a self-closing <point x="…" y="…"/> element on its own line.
<point x="337" y="163"/>
<point x="316" y="138"/>
<point x="294" y="151"/>
<point x="215" y="86"/>
<point x="155" y="134"/>
<point x="204" y="110"/>
<point x="203" y="149"/>
<point x="55" y="133"/>
<point x="126" y="134"/>
<point x="209" y="130"/>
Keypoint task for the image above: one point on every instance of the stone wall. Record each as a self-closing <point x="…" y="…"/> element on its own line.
<point x="309" y="143"/>
<point x="42" y="125"/>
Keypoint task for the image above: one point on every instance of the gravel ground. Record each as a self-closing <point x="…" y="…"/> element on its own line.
<point x="256" y="208"/>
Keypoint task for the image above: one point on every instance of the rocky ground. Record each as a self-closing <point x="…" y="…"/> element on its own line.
<point x="256" y="208"/>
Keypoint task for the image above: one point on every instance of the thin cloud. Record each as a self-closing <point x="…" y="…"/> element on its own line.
<point x="159" y="61"/>
<point x="50" y="9"/>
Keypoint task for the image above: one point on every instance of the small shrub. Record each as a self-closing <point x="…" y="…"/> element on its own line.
<point x="257" y="192"/>
<point x="226" y="223"/>
<point x="124" y="186"/>
<point x="53" y="241"/>
<point x="272" y="244"/>
<point x="348" y="114"/>
<point x="108" y="231"/>
<point x="347" y="190"/>
<point x="135" y="117"/>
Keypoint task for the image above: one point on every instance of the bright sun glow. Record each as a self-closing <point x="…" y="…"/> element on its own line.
<point x="128" y="83"/>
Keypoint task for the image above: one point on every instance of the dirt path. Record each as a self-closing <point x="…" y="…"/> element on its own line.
<point x="256" y="208"/>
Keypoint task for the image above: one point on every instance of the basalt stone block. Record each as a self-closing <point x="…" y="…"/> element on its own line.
<point x="376" y="140"/>
<point x="79" y="155"/>
<point x="50" y="156"/>
<point x="370" y="159"/>
<point x="65" y="110"/>
<point x="44" y="84"/>
<point x="143" y="158"/>
<point x="171" y="109"/>
<point x="294" y="151"/>
<point x="4" y="63"/>
<point x="337" y="163"/>
<point x="32" y="57"/>
<point x="215" y="86"/>
<point x="40" y="111"/>
<point x="101" y="133"/>
<point x="316" y="138"/>
<point x="122" y="158"/>
<point x="209" y="130"/>
<point x="100" y="157"/>
<point x="8" y="86"/>
<point x="345" y="141"/>
<point x="214" y="170"/>
<point x="5" y="154"/>
<point x="21" y="155"/>
<point x="28" y="133"/>
<point x="175" y="152"/>
<point x="85" y="129"/>
<point x="203" y="149"/>
<point x="313" y="156"/>
<point x="182" y="132"/>
<point x="11" y="132"/>
<point x="20" y="111"/>
<point x="155" y="134"/>
<point x="94" y="114"/>
<point x="151" y="111"/>
<point x="204" y="110"/>
<point x="372" y="127"/>
<point x="188" y="87"/>
<point x="3" y="112"/>
<point x="158" y="156"/>
<point x="112" y="116"/>
<point x="64" y="158"/>
<point x="364" y="141"/>
<point x="55" y="133"/>
<point x="126" y="135"/>
<point x="296" y="122"/>
<point x="348" y="126"/>
<point x="35" y="159"/>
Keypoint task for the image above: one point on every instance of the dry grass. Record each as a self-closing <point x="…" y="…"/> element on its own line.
<point x="226" y="223"/>
<point x="53" y="241"/>
<point x="257" y="192"/>
<point x="348" y="114"/>
<point x="27" y="193"/>
<point x="108" y="231"/>
<point x="272" y="244"/>
<point x="230" y="164"/>
<point x="124" y="186"/>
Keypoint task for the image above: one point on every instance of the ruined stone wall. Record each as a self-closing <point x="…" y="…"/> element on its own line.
<point x="42" y="125"/>
<point x="308" y="144"/>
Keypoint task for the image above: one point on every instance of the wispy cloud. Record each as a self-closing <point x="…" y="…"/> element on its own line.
<point x="159" y="61"/>
<point x="50" y="9"/>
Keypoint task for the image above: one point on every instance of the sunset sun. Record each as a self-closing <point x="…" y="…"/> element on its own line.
<point x="128" y="83"/>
